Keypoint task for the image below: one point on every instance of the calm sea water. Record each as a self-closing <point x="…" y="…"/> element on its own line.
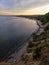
<point x="13" y="31"/>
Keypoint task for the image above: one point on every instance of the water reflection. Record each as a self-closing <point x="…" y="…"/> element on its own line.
<point x="14" y="29"/>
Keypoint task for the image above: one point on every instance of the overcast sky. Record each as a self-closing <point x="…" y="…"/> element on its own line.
<point x="21" y="5"/>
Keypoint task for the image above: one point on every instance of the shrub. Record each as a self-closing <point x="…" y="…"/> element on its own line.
<point x="25" y="58"/>
<point x="37" y="53"/>
<point x="47" y="28"/>
<point x="30" y="44"/>
<point x="29" y="50"/>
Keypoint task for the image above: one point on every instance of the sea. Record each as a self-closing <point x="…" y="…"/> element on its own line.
<point x="14" y="31"/>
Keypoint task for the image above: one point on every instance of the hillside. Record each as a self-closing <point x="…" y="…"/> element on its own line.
<point x="38" y="50"/>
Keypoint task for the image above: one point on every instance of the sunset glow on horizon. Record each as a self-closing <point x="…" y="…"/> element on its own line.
<point x="23" y="7"/>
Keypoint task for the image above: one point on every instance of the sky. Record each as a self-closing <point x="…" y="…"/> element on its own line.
<point x="24" y="7"/>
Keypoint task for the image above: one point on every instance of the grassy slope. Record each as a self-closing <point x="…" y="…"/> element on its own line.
<point x="42" y="42"/>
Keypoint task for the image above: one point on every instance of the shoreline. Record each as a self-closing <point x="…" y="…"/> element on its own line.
<point x="16" y="56"/>
<point x="20" y="48"/>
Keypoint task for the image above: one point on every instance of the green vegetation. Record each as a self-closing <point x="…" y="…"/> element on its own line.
<point x="35" y="37"/>
<point x="39" y="46"/>
<point x="44" y="18"/>
<point x="37" y="53"/>
<point x="29" y="50"/>
<point x="25" y="58"/>
<point x="47" y="28"/>
<point x="31" y="44"/>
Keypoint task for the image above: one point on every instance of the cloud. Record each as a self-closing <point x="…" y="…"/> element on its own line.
<point x="6" y="4"/>
<point x="21" y="5"/>
<point x="26" y="4"/>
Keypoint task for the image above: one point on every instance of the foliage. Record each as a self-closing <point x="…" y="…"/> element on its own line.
<point x="47" y="28"/>
<point x="29" y="50"/>
<point x="37" y="53"/>
<point x="31" y="44"/>
<point x="25" y="58"/>
<point x="35" y="37"/>
<point x="44" y="18"/>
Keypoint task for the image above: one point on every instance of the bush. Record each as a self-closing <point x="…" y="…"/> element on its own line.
<point x="29" y="50"/>
<point x="25" y="58"/>
<point x="44" y="18"/>
<point x="47" y="28"/>
<point x="30" y="44"/>
<point x="37" y="53"/>
<point x="35" y="37"/>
